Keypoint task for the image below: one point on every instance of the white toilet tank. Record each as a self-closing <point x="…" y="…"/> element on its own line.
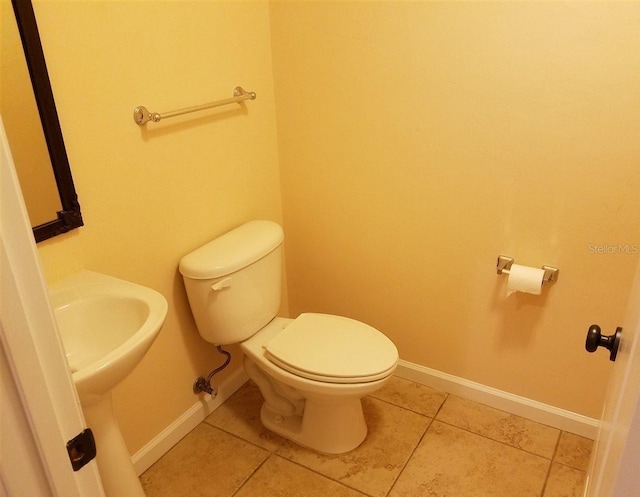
<point x="234" y="282"/>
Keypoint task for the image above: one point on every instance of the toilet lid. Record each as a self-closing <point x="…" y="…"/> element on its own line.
<point x="333" y="349"/>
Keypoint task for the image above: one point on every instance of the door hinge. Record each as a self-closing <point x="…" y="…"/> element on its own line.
<point x="81" y="449"/>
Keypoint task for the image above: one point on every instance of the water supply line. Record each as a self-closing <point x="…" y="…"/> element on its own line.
<point x="204" y="384"/>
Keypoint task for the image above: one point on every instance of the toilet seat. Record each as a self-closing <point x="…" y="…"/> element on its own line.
<point x="332" y="349"/>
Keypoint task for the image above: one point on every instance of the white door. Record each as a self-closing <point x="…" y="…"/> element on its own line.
<point x="40" y="398"/>
<point x="615" y="464"/>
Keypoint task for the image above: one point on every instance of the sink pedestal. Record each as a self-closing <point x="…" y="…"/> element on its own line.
<point x="118" y="475"/>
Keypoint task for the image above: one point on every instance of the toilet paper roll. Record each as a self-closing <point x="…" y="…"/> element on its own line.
<point x="525" y="279"/>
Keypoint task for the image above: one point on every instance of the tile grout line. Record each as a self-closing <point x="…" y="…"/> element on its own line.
<point x="410" y="456"/>
<point x="322" y="475"/>
<point x="468" y="430"/>
<point x="252" y="474"/>
<point x="447" y="395"/>
<point x="493" y="440"/>
<point x="239" y="437"/>
<point x="408" y="408"/>
<point x="419" y="441"/>
<point x="431" y="418"/>
<point x="553" y="456"/>
<point x="274" y="453"/>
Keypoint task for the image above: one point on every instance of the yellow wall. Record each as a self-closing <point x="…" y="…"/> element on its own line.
<point x="149" y="196"/>
<point x="420" y="140"/>
<point x="416" y="141"/>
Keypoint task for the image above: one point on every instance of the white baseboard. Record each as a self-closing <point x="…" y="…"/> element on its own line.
<point x="514" y="404"/>
<point x="176" y="431"/>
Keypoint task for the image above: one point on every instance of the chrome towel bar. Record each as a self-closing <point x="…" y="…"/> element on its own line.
<point x="141" y="115"/>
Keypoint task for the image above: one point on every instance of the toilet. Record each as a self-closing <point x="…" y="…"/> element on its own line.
<point x="312" y="370"/>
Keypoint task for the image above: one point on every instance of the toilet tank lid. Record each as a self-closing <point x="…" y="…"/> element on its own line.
<point x="232" y="251"/>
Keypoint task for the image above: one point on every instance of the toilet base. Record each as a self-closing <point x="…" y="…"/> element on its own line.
<point x="324" y="423"/>
<point x="327" y="427"/>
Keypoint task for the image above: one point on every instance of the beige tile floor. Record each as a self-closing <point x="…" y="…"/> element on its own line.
<point x="421" y="442"/>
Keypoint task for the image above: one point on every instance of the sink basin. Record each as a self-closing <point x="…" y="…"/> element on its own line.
<point x="106" y="325"/>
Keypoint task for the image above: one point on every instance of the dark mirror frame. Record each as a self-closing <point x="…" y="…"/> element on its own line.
<point x="69" y="217"/>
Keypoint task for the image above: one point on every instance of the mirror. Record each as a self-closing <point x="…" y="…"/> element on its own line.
<point x="32" y="126"/>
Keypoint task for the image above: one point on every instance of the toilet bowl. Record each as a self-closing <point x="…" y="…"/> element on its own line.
<point x="313" y="370"/>
<point x="311" y="399"/>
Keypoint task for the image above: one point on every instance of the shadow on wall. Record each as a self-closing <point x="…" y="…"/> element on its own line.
<point x="520" y="313"/>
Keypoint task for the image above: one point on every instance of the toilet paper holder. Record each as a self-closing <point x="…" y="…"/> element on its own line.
<point x="504" y="265"/>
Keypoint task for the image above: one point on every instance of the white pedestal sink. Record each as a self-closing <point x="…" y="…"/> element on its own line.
<point x="106" y="325"/>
